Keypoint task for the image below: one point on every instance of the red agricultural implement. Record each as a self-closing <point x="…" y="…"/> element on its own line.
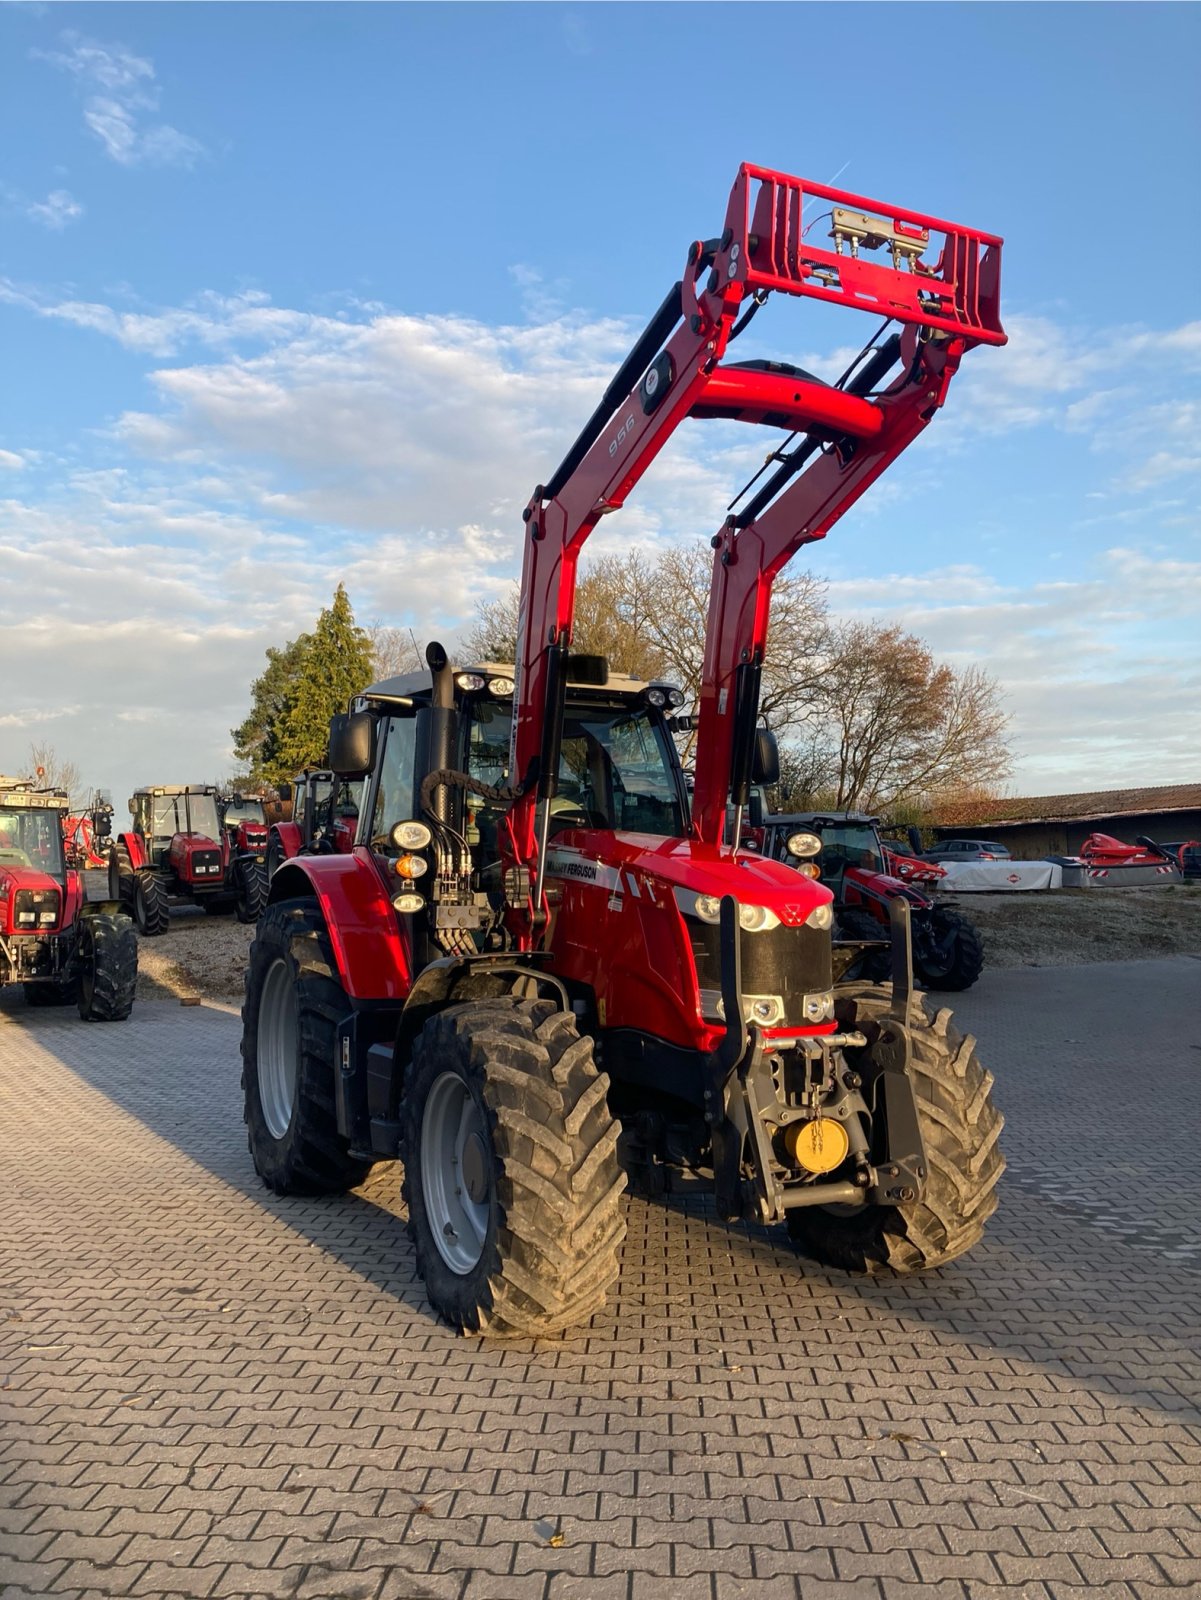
<point x="178" y="850"/>
<point x="62" y="950"/>
<point x="542" y="972"/>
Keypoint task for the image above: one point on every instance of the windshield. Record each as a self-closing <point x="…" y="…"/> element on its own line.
<point x="32" y="838"/>
<point x="617" y="768"/>
<point x="171" y="813"/>
<point x="244" y="811"/>
<point x="850" y="844"/>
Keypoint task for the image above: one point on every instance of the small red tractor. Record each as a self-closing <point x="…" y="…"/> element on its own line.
<point x="60" y="948"/>
<point x="542" y="972"/>
<point x="324" y="820"/>
<point x="844" y="848"/>
<point x="178" y="850"/>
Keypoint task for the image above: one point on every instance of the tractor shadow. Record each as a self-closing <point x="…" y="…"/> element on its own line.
<point x="1046" y="1289"/>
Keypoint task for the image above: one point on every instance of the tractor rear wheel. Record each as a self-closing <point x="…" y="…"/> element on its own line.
<point x="106" y="967"/>
<point x="252" y="891"/>
<point x="960" y="1127"/>
<point x="293" y="1005"/>
<point x="511" y="1172"/>
<point x="951" y="956"/>
<point x="120" y="876"/>
<point x="149" y="903"/>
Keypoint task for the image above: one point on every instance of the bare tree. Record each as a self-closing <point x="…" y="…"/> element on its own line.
<point x="395" y="650"/>
<point x="900" y="725"/>
<point x="55" y="772"/>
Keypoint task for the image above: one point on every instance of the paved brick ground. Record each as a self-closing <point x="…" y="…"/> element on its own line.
<point x="208" y="1391"/>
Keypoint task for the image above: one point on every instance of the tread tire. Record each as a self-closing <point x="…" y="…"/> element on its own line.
<point x="311" y="1157"/>
<point x="253" y="886"/>
<point x="106" y="966"/>
<point x="960" y="1126"/>
<point x="120" y="876"/>
<point x="557" y="1222"/>
<point x="872" y="966"/>
<point x="149" y="903"/>
<point x="968" y="961"/>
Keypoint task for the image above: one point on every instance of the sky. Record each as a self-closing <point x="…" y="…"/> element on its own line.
<point x="299" y="294"/>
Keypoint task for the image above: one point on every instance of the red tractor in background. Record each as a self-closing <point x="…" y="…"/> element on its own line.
<point x="541" y="972"/>
<point x="866" y="878"/>
<point x="325" y="817"/>
<point x="178" y="850"/>
<point x="62" y="950"/>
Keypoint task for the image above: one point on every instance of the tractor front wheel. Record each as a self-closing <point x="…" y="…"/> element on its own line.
<point x="873" y="966"/>
<point x="106" y="967"/>
<point x="960" y="1127"/>
<point x="511" y="1173"/>
<point x="120" y="876"/>
<point x="293" y="1005"/>
<point x="949" y="952"/>
<point x="252" y="891"/>
<point x="149" y="903"/>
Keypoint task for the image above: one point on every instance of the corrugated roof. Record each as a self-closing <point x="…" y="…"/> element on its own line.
<point x="1086" y="807"/>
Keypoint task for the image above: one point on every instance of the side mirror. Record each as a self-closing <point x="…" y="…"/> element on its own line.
<point x="592" y="670"/>
<point x="765" y="758"/>
<point x="352" y="744"/>
<point x="285" y="791"/>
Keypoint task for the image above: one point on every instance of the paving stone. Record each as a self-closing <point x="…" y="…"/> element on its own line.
<point x="250" y="1396"/>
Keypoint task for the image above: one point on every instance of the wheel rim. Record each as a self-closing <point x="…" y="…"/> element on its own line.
<point x="456" y="1173"/>
<point x="278" y="1045"/>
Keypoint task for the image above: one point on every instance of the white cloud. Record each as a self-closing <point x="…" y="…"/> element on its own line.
<point x="56" y="210"/>
<point x="283" y="451"/>
<point x="11" y="461"/>
<point x="119" y="89"/>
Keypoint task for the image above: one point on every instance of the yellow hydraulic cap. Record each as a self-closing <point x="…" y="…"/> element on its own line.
<point x="818" y="1146"/>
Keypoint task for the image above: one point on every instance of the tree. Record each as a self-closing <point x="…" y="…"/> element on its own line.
<point x="56" y="772"/>
<point x="305" y="683"/>
<point x="899" y="726"/>
<point x="394" y="651"/>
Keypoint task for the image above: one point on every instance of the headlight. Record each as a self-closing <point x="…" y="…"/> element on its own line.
<point x="411" y="866"/>
<point x="410" y="836"/>
<point x="757" y="919"/>
<point x="408" y="903"/>
<point x="470" y="680"/>
<point x="501" y="686"/>
<point x="821" y="917"/>
<point x="656" y="697"/>
<point x="819" y="1007"/>
<point x="708" y="907"/>
<point x="803" y="844"/>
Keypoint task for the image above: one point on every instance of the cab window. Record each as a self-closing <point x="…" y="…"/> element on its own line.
<point x="395" y="797"/>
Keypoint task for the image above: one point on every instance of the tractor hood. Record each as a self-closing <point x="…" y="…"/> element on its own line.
<point x="32" y="902"/>
<point x="617" y="860"/>
<point x="14" y="878"/>
<point x="880" y="886"/>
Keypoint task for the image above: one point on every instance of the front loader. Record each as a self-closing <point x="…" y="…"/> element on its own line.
<point x="543" y="972"/>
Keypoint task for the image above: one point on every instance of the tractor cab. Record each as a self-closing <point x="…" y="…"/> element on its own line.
<point x="33" y="864"/>
<point x="181" y="829"/>
<point x="244" y="822"/>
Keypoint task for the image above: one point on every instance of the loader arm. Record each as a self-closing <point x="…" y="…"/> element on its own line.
<point x="940" y="283"/>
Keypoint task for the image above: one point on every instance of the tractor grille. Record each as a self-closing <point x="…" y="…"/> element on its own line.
<point x="35" y="910"/>
<point x="206" y="865"/>
<point x="790" y="962"/>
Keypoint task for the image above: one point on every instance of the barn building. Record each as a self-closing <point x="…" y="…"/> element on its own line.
<point x="1058" y="824"/>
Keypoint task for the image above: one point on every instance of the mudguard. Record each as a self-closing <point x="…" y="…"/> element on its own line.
<point x="374" y="960"/>
<point x="290" y="837"/>
<point x="136" y="846"/>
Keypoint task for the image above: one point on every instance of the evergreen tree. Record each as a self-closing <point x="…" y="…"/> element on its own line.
<point x="304" y="684"/>
<point x="338" y="664"/>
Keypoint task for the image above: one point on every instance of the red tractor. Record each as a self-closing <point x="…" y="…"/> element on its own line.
<point x="845" y="849"/>
<point x="325" y="818"/>
<point x="541" y="972"/>
<point x="62" y="950"/>
<point x="178" y="850"/>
